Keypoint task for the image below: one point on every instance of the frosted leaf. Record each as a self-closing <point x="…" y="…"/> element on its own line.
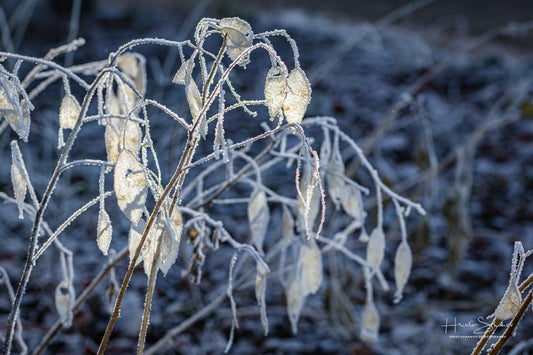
<point x="195" y="105"/>
<point x="402" y="268"/>
<point x="334" y="177"/>
<point x="20" y="120"/>
<point x="369" y="322"/>
<point x="510" y="302"/>
<point x="104" y="231"/>
<point x="184" y="73"/>
<point x="295" y="301"/>
<point x="150" y="246"/>
<point x="18" y="177"/>
<point x="170" y="242"/>
<point x="130" y="185"/>
<point x="288" y="226"/>
<point x="69" y="112"/>
<point x="311" y="267"/>
<point x="298" y="96"/>
<point x="275" y="85"/>
<point x="260" y="291"/>
<point x="239" y="36"/>
<point x="134" y="237"/>
<point x="258" y="217"/>
<point x="351" y="202"/>
<point x="64" y="299"/>
<point x="375" y="248"/>
<point x="116" y="139"/>
<point x="313" y="202"/>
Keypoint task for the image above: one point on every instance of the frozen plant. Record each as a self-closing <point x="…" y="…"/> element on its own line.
<point x="162" y="212"/>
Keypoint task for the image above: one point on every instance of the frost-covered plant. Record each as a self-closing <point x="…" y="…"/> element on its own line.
<point x="160" y="210"/>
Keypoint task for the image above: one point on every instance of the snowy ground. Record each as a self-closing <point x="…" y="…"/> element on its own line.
<point x="472" y="116"/>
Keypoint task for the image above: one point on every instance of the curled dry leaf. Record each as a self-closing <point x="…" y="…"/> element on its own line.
<point x="18" y="177"/>
<point x="369" y="322"/>
<point x="402" y="268"/>
<point x="104" y="231"/>
<point x="130" y="185"/>
<point x="295" y="301"/>
<point x="239" y="36"/>
<point x="275" y="85"/>
<point x="69" y="112"/>
<point x="298" y="96"/>
<point x="375" y="247"/>
<point x="258" y="217"/>
<point x="311" y="267"/>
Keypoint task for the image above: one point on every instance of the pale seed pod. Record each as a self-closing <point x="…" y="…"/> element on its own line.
<point x="351" y="202"/>
<point x="104" y="231"/>
<point x="298" y="96"/>
<point x="313" y="202"/>
<point x="402" y="268"/>
<point x="195" y="106"/>
<point x="116" y="139"/>
<point x="260" y="291"/>
<point x="170" y="242"/>
<point x="288" y="226"/>
<point x="295" y="302"/>
<point x="134" y="237"/>
<point x="258" y="217"/>
<point x="64" y="298"/>
<point x="510" y="302"/>
<point x="369" y="322"/>
<point x="69" y="112"/>
<point x="275" y="85"/>
<point x="20" y="120"/>
<point x="311" y="267"/>
<point x="150" y="245"/>
<point x="184" y="73"/>
<point x="18" y="177"/>
<point x="130" y="185"/>
<point x="239" y="36"/>
<point x="132" y="65"/>
<point x="334" y="177"/>
<point x="375" y="248"/>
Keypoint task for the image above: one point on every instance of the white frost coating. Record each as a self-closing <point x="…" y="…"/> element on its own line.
<point x="369" y="322"/>
<point x="104" y="231"/>
<point x="258" y="217"/>
<point x="298" y="96"/>
<point x="403" y="262"/>
<point x="130" y="185"/>
<point x="239" y="36"/>
<point x="275" y="85"/>
<point x="17" y="177"/>
<point x="311" y="267"/>
<point x="375" y="248"/>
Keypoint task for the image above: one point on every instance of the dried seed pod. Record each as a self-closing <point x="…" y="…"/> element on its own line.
<point x="402" y="268"/>
<point x="288" y="226"/>
<point x="311" y="267"/>
<point x="150" y="246"/>
<point x="134" y="237"/>
<point x="170" y="242"/>
<point x="239" y="36"/>
<point x="116" y="139"/>
<point x="104" y="231"/>
<point x="298" y="96"/>
<point x="351" y="202"/>
<point x="130" y="185"/>
<point x="334" y="177"/>
<point x="64" y="299"/>
<point x="295" y="302"/>
<point x="69" y="112"/>
<point x="308" y="215"/>
<point x="18" y="177"/>
<point x="510" y="302"/>
<point x="260" y="291"/>
<point x="369" y="322"/>
<point x="184" y="73"/>
<point x="15" y="111"/>
<point x="195" y="106"/>
<point x="375" y="248"/>
<point x="132" y="65"/>
<point x="275" y="85"/>
<point x="258" y="217"/>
